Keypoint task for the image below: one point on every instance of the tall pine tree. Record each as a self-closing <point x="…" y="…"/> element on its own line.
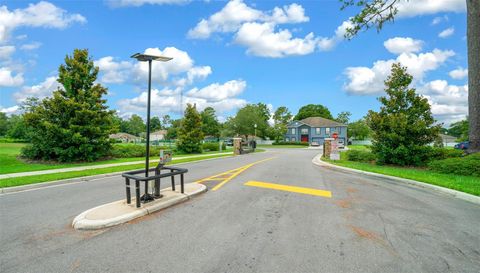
<point x="190" y="133"/>
<point x="73" y="124"/>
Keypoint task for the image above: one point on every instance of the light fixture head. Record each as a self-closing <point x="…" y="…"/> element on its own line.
<point x="145" y="57"/>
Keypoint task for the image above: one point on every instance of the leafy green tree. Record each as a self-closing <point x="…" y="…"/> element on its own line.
<point x="17" y="128"/>
<point x="135" y="125"/>
<point x="172" y="131"/>
<point x="3" y="124"/>
<point x="281" y="118"/>
<point x="375" y="13"/>
<point x="459" y="129"/>
<point x="404" y="126"/>
<point x="344" y="117"/>
<point x="155" y="124"/>
<point x="246" y="118"/>
<point x="190" y="135"/>
<point x="74" y="124"/>
<point x="210" y="125"/>
<point x="166" y="121"/>
<point x="313" y="110"/>
<point x="359" y="130"/>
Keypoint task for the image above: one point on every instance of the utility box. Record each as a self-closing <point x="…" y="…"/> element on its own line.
<point x="165" y="156"/>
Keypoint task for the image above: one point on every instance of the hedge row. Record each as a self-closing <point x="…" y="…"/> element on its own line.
<point x="468" y="165"/>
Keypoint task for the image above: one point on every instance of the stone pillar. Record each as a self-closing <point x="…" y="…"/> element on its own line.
<point x="237" y="144"/>
<point x="327" y="148"/>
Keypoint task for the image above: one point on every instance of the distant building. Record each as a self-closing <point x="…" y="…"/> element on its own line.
<point x="315" y="129"/>
<point x="158" y="135"/>
<point x="124" y="137"/>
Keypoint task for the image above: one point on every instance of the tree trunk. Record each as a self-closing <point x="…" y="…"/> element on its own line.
<point x="473" y="44"/>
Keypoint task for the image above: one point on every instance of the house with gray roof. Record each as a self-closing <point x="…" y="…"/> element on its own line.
<point x="315" y="130"/>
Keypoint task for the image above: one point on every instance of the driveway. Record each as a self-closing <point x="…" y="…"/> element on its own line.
<point x="274" y="216"/>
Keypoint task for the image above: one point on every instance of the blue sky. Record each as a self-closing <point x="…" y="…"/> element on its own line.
<point x="227" y="54"/>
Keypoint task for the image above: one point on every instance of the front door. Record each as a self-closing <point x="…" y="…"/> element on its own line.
<point x="304" y="138"/>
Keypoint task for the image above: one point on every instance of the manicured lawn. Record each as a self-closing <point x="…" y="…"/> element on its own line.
<point x="9" y="163"/>
<point x="358" y="147"/>
<point x="18" y="181"/>
<point x="281" y="146"/>
<point x="468" y="184"/>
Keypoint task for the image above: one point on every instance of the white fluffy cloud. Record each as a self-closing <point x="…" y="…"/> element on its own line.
<point x="447" y="32"/>
<point x="421" y="7"/>
<point x="9" y="79"/>
<point x="449" y="102"/>
<point x="369" y="80"/>
<point x="459" y="73"/>
<point x="6" y="52"/>
<point x="10" y="110"/>
<point x="112" y="71"/>
<point x="222" y="97"/>
<point x="138" y="3"/>
<point x="262" y="40"/>
<point x="31" y="46"/>
<point x="42" y="90"/>
<point x="399" y="45"/>
<point x="41" y="14"/>
<point x="260" y="33"/>
<point x="439" y="19"/>
<point x="236" y="12"/>
<point x="216" y="92"/>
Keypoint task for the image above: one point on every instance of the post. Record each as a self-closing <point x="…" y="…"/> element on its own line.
<point x="172" y="178"/>
<point x="127" y="185"/>
<point x="137" y="193"/>
<point x="147" y="160"/>
<point x="237" y="143"/>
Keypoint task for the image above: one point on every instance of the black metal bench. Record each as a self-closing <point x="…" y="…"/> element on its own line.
<point x="139" y="176"/>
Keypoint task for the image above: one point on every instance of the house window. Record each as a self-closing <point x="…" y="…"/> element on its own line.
<point x="317" y="131"/>
<point x="327" y="131"/>
<point x="294" y="139"/>
<point x="293" y="131"/>
<point x="304" y="131"/>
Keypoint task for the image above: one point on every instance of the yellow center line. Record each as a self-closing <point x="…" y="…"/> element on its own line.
<point x="229" y="175"/>
<point x="280" y="187"/>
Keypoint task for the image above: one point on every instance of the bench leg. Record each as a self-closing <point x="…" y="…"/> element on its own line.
<point x="173" y="181"/>
<point x="127" y="185"/>
<point x="157" y="184"/>
<point x="181" y="183"/>
<point x="137" y="192"/>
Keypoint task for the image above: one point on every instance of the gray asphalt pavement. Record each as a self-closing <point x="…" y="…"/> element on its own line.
<point x="368" y="225"/>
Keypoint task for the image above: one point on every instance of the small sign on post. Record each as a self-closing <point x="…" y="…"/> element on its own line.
<point x="165" y="156"/>
<point x="334" y="153"/>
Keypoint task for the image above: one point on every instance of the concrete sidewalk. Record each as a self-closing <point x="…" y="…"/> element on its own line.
<point x="82" y="168"/>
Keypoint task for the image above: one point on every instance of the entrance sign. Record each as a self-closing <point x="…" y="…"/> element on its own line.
<point x="334" y="153"/>
<point x="165" y="156"/>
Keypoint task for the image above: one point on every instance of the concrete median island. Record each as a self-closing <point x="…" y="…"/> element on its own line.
<point x="120" y="212"/>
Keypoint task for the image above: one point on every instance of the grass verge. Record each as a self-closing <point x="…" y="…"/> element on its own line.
<point x="467" y="184"/>
<point x="11" y="164"/>
<point x="18" y="181"/>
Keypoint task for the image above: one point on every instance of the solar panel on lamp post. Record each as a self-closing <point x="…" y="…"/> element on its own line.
<point x="148" y="58"/>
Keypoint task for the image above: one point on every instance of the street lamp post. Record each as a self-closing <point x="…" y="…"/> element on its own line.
<point x="148" y="58"/>
<point x="255" y="125"/>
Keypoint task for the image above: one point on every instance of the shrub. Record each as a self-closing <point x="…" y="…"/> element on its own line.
<point x="442" y="153"/>
<point x="212" y="146"/>
<point x="290" y="143"/>
<point x="132" y="150"/>
<point x="468" y="165"/>
<point x="359" y="155"/>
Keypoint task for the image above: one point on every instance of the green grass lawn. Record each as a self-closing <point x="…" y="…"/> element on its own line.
<point x="18" y="181"/>
<point x="468" y="184"/>
<point x="281" y="146"/>
<point x="10" y="163"/>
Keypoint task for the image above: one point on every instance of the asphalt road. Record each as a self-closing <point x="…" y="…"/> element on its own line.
<point x="368" y="225"/>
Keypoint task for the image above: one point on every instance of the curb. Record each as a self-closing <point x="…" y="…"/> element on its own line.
<point x="82" y="223"/>
<point x="79" y="179"/>
<point x="454" y="193"/>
